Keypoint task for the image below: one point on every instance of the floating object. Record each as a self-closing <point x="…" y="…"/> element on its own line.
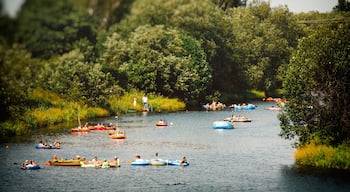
<point x="30" y="167"/>
<point x="178" y="163"/>
<point x="222" y="125"/>
<point x="38" y="146"/>
<point x="64" y="163"/>
<point x="140" y="162"/>
<point x="158" y="162"/>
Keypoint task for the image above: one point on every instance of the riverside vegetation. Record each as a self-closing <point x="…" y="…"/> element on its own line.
<point x="61" y="60"/>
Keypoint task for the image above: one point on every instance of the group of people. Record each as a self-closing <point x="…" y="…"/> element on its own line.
<point x="56" y="144"/>
<point x="104" y="163"/>
<point x="138" y="158"/>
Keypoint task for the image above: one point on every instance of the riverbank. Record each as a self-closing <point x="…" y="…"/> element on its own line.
<point x="324" y="156"/>
<point x="49" y="108"/>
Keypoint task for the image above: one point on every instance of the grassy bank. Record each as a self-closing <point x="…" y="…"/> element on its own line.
<point x="125" y="103"/>
<point x="324" y="156"/>
<point x="47" y="108"/>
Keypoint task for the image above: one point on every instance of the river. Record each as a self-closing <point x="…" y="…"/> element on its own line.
<point x="250" y="157"/>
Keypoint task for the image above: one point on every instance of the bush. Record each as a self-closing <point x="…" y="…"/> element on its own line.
<point x="324" y="156"/>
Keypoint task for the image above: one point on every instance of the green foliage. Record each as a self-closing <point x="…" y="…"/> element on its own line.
<point x="50" y="28"/>
<point x="124" y="103"/>
<point x="263" y="40"/>
<point x="324" y="156"/>
<point x="50" y="108"/>
<point x="160" y="60"/>
<point x="316" y="84"/>
<point x="78" y="80"/>
<point x="10" y="128"/>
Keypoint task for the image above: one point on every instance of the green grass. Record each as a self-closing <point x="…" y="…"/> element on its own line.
<point x="124" y="103"/>
<point x="324" y="156"/>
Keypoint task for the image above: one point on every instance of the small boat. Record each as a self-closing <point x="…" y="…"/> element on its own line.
<point x="119" y="135"/>
<point x="64" y="163"/>
<point x="30" y="167"/>
<point x="222" y="125"/>
<point x="158" y="162"/>
<point x="178" y="163"/>
<point x="140" y="162"/>
<point x="40" y="146"/>
<point x="237" y="119"/>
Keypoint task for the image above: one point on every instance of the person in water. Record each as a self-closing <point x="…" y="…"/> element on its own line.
<point x="183" y="160"/>
<point x="115" y="162"/>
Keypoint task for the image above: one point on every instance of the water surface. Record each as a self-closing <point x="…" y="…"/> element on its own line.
<point x="251" y="157"/>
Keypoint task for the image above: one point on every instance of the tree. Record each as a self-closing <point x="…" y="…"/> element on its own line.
<point x="18" y="75"/>
<point x="317" y="85"/>
<point x="343" y="5"/>
<point x="77" y="80"/>
<point x="50" y="28"/>
<point x="262" y="41"/>
<point x="199" y="19"/>
<point x="160" y="60"/>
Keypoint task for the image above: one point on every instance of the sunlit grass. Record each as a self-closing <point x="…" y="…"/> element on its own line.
<point x="324" y="156"/>
<point x="125" y="103"/>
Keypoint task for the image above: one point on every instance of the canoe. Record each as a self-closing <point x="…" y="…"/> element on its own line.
<point x="64" y="163"/>
<point x="38" y="146"/>
<point x="140" y="162"/>
<point x="177" y="163"/>
<point x="158" y="162"/>
<point x="222" y="125"/>
<point x="30" y="167"/>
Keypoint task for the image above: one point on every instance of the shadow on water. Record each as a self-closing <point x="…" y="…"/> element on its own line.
<point x="307" y="178"/>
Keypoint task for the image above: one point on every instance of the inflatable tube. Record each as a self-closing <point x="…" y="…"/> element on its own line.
<point x="222" y="125"/>
<point x="140" y="162"/>
<point x="177" y="163"/>
<point x="158" y="162"/>
<point x="37" y="146"/>
<point x="31" y="167"/>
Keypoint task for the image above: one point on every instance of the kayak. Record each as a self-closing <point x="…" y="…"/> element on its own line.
<point x="38" y="146"/>
<point x="31" y="167"/>
<point x="177" y="163"/>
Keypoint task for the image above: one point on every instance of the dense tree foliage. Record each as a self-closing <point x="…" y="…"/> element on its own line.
<point x="317" y="84"/>
<point x="90" y="51"/>
<point x="78" y="80"/>
<point x="50" y="28"/>
<point x="160" y="60"/>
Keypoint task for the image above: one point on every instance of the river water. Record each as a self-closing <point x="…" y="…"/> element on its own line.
<point x="251" y="157"/>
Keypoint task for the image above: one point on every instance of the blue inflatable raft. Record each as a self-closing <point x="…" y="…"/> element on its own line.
<point x="222" y="125"/>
